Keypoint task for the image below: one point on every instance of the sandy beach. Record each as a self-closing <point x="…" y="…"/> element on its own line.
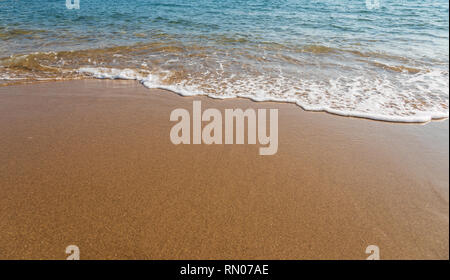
<point x="90" y="163"/>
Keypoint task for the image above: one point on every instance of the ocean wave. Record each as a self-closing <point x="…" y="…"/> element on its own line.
<point x="315" y="77"/>
<point x="361" y="97"/>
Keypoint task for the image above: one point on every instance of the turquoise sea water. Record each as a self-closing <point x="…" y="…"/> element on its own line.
<point x="388" y="62"/>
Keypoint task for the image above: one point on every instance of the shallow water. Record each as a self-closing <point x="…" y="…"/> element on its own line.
<point x="344" y="57"/>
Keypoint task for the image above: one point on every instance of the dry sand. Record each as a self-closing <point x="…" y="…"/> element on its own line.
<point x="90" y="163"/>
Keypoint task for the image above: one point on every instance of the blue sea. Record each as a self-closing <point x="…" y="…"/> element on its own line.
<point x="378" y="59"/>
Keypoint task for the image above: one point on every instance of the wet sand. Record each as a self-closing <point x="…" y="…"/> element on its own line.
<point x="90" y="163"/>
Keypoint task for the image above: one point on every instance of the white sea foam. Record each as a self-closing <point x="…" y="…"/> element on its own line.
<point x="111" y="73"/>
<point x="404" y="97"/>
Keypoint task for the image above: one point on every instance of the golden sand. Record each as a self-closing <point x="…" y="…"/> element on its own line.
<point x="90" y="163"/>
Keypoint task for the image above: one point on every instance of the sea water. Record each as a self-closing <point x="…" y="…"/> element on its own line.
<point x="387" y="61"/>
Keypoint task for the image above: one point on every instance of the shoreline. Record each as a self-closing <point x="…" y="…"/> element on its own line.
<point x="100" y="172"/>
<point x="335" y="112"/>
